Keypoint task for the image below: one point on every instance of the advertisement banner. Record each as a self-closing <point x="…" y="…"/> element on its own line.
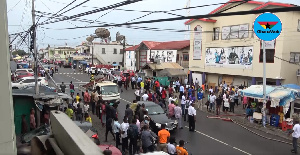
<point x="164" y="55"/>
<point x="197" y="54"/>
<point x="231" y="57"/>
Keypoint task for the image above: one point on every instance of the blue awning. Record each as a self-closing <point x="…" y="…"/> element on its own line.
<point x="256" y="91"/>
<point x="282" y="96"/>
<point x="292" y="86"/>
<point x="83" y="62"/>
<point x="115" y="64"/>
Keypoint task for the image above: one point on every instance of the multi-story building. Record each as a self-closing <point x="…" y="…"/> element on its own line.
<point x="61" y="53"/>
<point x="233" y="53"/>
<point x="147" y="51"/>
<point x="109" y="53"/>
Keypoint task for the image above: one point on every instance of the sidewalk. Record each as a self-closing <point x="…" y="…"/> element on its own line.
<point x="238" y="117"/>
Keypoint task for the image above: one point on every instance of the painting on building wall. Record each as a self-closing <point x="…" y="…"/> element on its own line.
<point x="236" y="57"/>
<point x="197" y="43"/>
<point x="164" y="55"/>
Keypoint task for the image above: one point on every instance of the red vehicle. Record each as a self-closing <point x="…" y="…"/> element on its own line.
<point x="57" y="62"/>
<point x="50" y="61"/>
<point x="23" y="74"/>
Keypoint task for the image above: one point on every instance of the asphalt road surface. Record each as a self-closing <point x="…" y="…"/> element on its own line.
<point x="212" y="136"/>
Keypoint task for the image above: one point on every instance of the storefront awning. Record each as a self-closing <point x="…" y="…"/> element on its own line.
<point x="281" y="96"/>
<point x="294" y="87"/>
<point x="256" y="91"/>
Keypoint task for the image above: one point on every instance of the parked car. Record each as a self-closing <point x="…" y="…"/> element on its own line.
<point x="25" y="70"/>
<point x="23" y="74"/>
<point x="158" y="116"/>
<point x="57" y="62"/>
<point x="41" y="88"/>
<point x="50" y="61"/>
<point x="93" y="70"/>
<point x="28" y="81"/>
<point x="67" y="65"/>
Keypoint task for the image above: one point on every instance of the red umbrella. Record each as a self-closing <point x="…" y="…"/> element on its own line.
<point x="115" y="151"/>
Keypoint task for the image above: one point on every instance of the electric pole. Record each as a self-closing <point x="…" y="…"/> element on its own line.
<point x="33" y="43"/>
<point x="123" y="60"/>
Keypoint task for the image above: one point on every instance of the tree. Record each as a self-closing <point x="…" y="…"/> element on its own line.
<point x="19" y="52"/>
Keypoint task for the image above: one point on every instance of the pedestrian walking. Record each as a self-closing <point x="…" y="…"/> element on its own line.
<point x="117" y="131"/>
<point x="133" y="133"/>
<point x="236" y="98"/>
<point x="142" y="84"/>
<point x="295" y="134"/>
<point x="124" y="128"/>
<point x="129" y="113"/>
<point x="231" y="100"/>
<point x="245" y="102"/>
<point x="138" y="94"/>
<point x="164" y="96"/>
<point x="171" y="109"/>
<point x="87" y="99"/>
<point x="163" y="138"/>
<point x="181" y="91"/>
<point x="103" y="114"/>
<point x="192" y="117"/>
<point x="79" y="113"/>
<point x="133" y="82"/>
<point x="186" y="107"/>
<point x="72" y="89"/>
<point x="63" y="87"/>
<point x="108" y="127"/>
<point x="226" y="103"/>
<point x="178" y="115"/>
<point x="183" y="104"/>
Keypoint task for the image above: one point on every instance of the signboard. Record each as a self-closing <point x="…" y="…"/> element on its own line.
<point x="231" y="57"/>
<point x="267" y="26"/>
<point x="197" y="54"/>
<point x="164" y="55"/>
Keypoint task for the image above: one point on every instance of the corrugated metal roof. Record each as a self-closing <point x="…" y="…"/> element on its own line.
<point x="172" y="45"/>
<point x="164" y="65"/>
<point x="132" y="48"/>
<point x="172" y="72"/>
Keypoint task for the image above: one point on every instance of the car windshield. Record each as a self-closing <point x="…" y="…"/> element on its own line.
<point x="154" y="109"/>
<point x="109" y="90"/>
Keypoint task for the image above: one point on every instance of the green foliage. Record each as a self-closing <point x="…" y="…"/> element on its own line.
<point x="19" y="52"/>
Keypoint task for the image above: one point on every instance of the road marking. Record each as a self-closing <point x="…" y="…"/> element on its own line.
<point x="67" y="73"/>
<point x="64" y="73"/>
<point x="221" y="141"/>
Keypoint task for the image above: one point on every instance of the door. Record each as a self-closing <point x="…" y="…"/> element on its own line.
<point x="22" y="105"/>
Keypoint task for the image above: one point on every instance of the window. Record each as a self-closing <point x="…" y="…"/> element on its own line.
<point x="185" y="57"/>
<point x="294" y="57"/>
<point x="121" y="51"/>
<point x="269" y="55"/>
<point x="115" y="51"/>
<point x="103" y="50"/>
<point x="216" y="33"/>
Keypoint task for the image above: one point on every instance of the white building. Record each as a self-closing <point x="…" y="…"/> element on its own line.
<point x="130" y="60"/>
<point x="109" y="53"/>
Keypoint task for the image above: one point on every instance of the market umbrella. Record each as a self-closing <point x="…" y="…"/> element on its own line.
<point x="114" y="150"/>
<point x="256" y="91"/>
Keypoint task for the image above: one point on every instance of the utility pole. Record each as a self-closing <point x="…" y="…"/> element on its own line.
<point x="123" y="60"/>
<point x="264" y="84"/>
<point x="92" y="47"/>
<point x="34" y="49"/>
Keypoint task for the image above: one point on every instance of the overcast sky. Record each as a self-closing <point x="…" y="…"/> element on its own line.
<point x="19" y="19"/>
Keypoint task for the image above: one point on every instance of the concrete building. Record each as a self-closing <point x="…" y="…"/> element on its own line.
<point x="7" y="134"/>
<point x="233" y="53"/>
<point x="109" y="53"/>
<point x="61" y="53"/>
<point x="147" y="51"/>
<point x="130" y="57"/>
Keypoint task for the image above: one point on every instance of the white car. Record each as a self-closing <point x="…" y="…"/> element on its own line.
<point x="25" y="70"/>
<point x="93" y="70"/>
<point x="28" y="81"/>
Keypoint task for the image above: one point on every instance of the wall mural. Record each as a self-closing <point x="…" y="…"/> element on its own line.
<point x="164" y="55"/>
<point x="235" y="57"/>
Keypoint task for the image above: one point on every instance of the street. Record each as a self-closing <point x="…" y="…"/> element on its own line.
<point x="212" y="136"/>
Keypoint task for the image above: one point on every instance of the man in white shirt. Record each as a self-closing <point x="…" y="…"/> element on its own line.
<point x="192" y="117"/>
<point x="124" y="128"/>
<point x="296" y="134"/>
<point x="197" y="82"/>
<point x="138" y="94"/>
<point x="178" y="115"/>
<point x="116" y="130"/>
<point x="86" y="108"/>
<point x="211" y="90"/>
<point x="182" y="104"/>
<point x="177" y="83"/>
<point x="145" y="97"/>
<point x="185" y="81"/>
<point x="212" y="101"/>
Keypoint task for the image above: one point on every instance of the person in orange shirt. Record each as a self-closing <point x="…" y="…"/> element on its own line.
<point x="163" y="139"/>
<point x="180" y="149"/>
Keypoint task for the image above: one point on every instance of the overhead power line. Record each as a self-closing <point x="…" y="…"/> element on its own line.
<point x="289" y="9"/>
<point x="94" y="11"/>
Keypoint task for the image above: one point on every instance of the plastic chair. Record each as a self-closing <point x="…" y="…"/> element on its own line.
<point x="284" y="126"/>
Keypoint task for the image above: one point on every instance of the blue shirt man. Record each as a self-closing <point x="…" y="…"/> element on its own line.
<point x="190" y="91"/>
<point x="140" y="79"/>
<point x="200" y="95"/>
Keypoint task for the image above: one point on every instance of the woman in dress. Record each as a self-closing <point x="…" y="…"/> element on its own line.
<point x="103" y="114"/>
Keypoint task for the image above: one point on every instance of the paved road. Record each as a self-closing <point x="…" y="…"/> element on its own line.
<point x="212" y="136"/>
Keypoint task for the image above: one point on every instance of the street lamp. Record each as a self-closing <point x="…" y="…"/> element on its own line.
<point x="90" y="40"/>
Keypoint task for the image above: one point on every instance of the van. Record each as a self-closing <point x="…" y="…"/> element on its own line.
<point x="109" y="91"/>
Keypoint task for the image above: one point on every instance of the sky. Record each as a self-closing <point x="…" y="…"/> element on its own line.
<point x="19" y="19"/>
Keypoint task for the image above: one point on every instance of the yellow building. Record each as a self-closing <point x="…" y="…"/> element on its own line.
<point x="226" y="49"/>
<point x="61" y="53"/>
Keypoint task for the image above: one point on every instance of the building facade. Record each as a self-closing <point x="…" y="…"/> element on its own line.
<point x="61" y="53"/>
<point x="109" y="53"/>
<point x="148" y="51"/>
<point x="233" y="53"/>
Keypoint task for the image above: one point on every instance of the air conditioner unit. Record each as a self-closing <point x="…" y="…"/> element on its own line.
<point x="298" y="72"/>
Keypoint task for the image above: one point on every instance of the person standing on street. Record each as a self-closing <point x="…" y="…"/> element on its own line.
<point x="200" y="99"/>
<point x="231" y="100"/>
<point x="181" y="91"/>
<point x="86" y="108"/>
<point x="72" y="89"/>
<point x="87" y="99"/>
<point x="109" y="128"/>
<point x="180" y="149"/>
<point x="177" y="83"/>
<point x="196" y="83"/>
<point x="182" y="104"/>
<point x="137" y="94"/>
<point x="192" y="117"/>
<point x="185" y="81"/>
<point x="79" y="113"/>
<point x="171" y="108"/>
<point x="178" y="115"/>
<point x="296" y="134"/>
<point x="212" y="101"/>
<point x="129" y="113"/>
<point x="219" y="101"/>
<point x="63" y="87"/>
<point x="116" y="129"/>
<point x="133" y="133"/>
<point x="147" y="140"/>
<point x="133" y="82"/>
<point x="142" y="86"/>
<point x="163" y="138"/>
<point x="77" y="97"/>
<point x="124" y="128"/>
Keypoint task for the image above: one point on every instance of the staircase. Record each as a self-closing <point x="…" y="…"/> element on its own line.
<point x="100" y="59"/>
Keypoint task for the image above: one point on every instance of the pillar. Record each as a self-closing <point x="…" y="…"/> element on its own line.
<point x="203" y="78"/>
<point x="278" y="82"/>
<point x="253" y="81"/>
<point x="7" y="134"/>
